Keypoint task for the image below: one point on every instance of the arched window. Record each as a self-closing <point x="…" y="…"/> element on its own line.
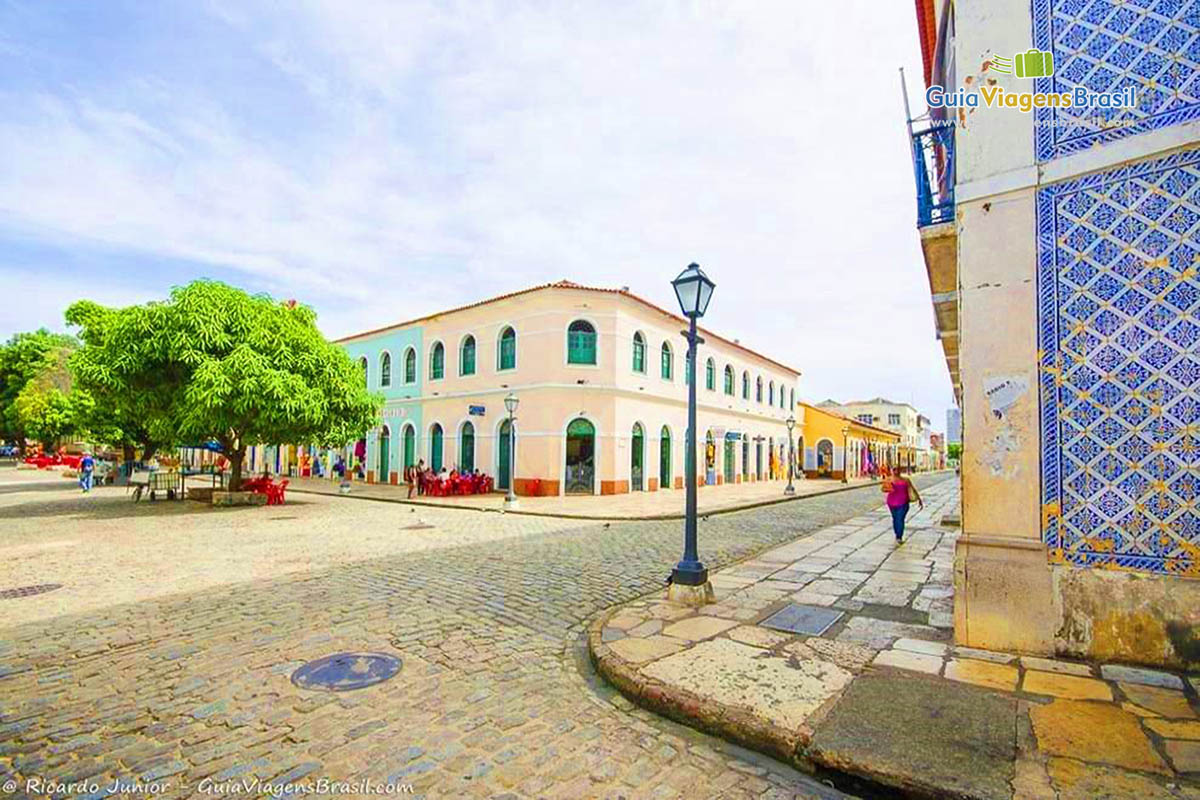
<point x="435" y="448"/>
<point x="466" y="356"/>
<point x="745" y="385"/>
<point x="437" y="362"/>
<point x="771" y="393"/>
<point x="729" y="380"/>
<point x="792" y="400"/>
<point x="710" y="375"/>
<point x="639" y="353"/>
<point x="758" y="389"/>
<point x="664" y="459"/>
<point x="466" y="448"/>
<point x="668" y="362"/>
<point x="385" y="369"/>
<point x="507" y="354"/>
<point x="410" y="366"/>
<point x="581" y="343"/>
<point x="362" y="362"/>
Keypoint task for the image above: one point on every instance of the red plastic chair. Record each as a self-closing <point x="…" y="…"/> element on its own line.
<point x="275" y="493"/>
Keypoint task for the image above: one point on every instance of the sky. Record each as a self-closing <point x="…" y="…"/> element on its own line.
<point x="384" y="160"/>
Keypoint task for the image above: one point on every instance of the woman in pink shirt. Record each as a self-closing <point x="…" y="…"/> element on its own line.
<point x="899" y="489"/>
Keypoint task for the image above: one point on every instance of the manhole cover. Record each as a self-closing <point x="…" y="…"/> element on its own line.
<point x="420" y="526"/>
<point x="28" y="591"/>
<point x="343" y="672"/>
<point x="810" y="620"/>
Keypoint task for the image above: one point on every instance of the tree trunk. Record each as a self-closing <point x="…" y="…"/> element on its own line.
<point x="149" y="450"/>
<point x="128" y="453"/>
<point x="235" y="467"/>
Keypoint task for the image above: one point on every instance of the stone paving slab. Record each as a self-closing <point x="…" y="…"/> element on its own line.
<point x="915" y="712"/>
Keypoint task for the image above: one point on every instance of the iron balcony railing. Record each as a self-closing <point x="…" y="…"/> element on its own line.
<point x="933" y="166"/>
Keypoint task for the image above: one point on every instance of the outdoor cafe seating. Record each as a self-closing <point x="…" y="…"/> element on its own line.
<point x="459" y="485"/>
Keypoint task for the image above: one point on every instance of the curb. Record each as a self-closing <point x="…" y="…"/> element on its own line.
<point x="601" y="518"/>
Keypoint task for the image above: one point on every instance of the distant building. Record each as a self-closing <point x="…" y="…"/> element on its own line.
<point x="953" y="426"/>
<point x="900" y="418"/>
<point x="835" y="446"/>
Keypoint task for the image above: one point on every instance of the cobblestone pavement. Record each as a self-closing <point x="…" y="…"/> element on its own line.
<point x="494" y="698"/>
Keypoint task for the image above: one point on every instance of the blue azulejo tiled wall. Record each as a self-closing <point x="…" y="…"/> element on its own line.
<point x="1107" y="46"/>
<point x="1118" y="327"/>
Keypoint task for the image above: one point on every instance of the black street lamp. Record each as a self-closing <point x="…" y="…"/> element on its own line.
<point x="791" y="423"/>
<point x="510" y="405"/>
<point x="693" y="289"/>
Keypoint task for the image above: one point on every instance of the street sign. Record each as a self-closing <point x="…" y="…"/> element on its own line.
<point x="475" y="411"/>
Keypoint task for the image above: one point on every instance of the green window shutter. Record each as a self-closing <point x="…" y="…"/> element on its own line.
<point x="666" y="363"/>
<point x="581" y="347"/>
<point x="508" y="350"/>
<point x="467" y="358"/>
<point x="437" y="363"/>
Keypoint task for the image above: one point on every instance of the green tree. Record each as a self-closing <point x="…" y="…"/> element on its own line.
<point x="215" y="363"/>
<point x="120" y="413"/>
<point x="954" y="451"/>
<point x="23" y="358"/>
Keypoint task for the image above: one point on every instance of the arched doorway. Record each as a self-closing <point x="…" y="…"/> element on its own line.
<point x="637" y="459"/>
<point x="824" y="458"/>
<point x="504" y="455"/>
<point x="710" y="457"/>
<point x="729" y="460"/>
<point x="581" y="457"/>
<point x="758" y="460"/>
<point x="745" y="457"/>
<point x="385" y="439"/>
<point x="664" y="459"/>
<point x="435" y="447"/>
<point x="466" y="448"/>
<point x="410" y="446"/>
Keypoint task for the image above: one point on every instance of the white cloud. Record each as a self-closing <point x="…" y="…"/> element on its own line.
<point x="419" y="155"/>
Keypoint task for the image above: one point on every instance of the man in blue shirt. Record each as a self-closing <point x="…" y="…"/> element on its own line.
<point x="86" y="466"/>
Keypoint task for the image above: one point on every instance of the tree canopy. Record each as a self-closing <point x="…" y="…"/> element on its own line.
<point x="37" y="358"/>
<point x="213" y="362"/>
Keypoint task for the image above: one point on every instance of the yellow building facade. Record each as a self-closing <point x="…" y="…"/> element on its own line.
<point x="835" y="446"/>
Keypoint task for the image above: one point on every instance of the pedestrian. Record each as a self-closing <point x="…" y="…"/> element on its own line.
<point x="87" y="466"/>
<point x="419" y="476"/>
<point x="901" y="494"/>
<point x="410" y="477"/>
<point x="339" y="467"/>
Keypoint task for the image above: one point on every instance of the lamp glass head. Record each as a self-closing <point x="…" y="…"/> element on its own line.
<point x="693" y="290"/>
<point x="510" y="403"/>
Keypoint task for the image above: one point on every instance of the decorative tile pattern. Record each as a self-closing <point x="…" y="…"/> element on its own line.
<point x="1118" y="324"/>
<point x="1107" y="46"/>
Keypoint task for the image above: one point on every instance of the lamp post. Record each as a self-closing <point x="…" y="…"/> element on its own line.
<point x="846" y="454"/>
<point x="510" y="405"/>
<point x="689" y="579"/>
<point x="791" y="423"/>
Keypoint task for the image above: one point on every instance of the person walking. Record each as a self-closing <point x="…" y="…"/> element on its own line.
<point x="87" y="466"/>
<point x="410" y="478"/>
<point x="901" y="494"/>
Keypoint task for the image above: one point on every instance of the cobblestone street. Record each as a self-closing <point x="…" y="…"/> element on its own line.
<point x="494" y="698"/>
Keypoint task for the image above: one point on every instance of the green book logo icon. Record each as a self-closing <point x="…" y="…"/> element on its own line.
<point x="1034" y="64"/>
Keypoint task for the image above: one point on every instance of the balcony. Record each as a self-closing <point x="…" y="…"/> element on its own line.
<point x="933" y="166"/>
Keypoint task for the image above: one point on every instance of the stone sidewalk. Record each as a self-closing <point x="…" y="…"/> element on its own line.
<point x="833" y="653"/>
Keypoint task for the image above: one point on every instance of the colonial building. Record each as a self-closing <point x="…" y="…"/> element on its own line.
<point x="900" y="418"/>
<point x="1061" y="247"/>
<point x="600" y="379"/>
<point x="836" y="446"/>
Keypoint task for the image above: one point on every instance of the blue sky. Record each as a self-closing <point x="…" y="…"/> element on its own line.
<point x="380" y="161"/>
